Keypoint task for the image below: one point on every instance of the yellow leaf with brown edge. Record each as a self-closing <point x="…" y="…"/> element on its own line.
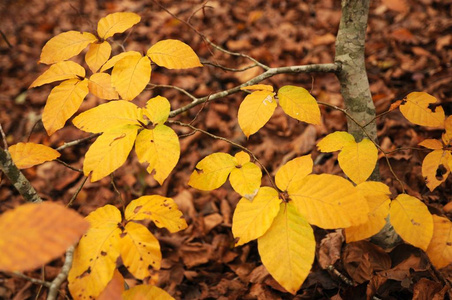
<point x="255" y="111"/>
<point x="431" y="144"/>
<point x="160" y="148"/>
<point x="109" y="151"/>
<point x="26" y="155"/>
<point x="157" y="110"/>
<point x="377" y="197"/>
<point x="298" y="103"/>
<point x="64" y="100"/>
<point x="440" y="248"/>
<point x="358" y="160"/>
<point x="99" y="85"/>
<point x="108" y="116"/>
<point x="329" y="201"/>
<point x="31" y="235"/>
<point x="65" y="45"/>
<point x="143" y="292"/>
<point x="289" y="176"/>
<point x="416" y="110"/>
<point x="97" y="55"/>
<point x="287" y="249"/>
<point x="161" y="210"/>
<point x="140" y="250"/>
<point x="252" y="219"/>
<point x="335" y="141"/>
<point x="96" y="254"/>
<point x="60" y="71"/>
<point x="130" y="76"/>
<point x="435" y="168"/>
<point x="116" y="23"/>
<point x="411" y="220"/>
<point x="112" y="61"/>
<point x="173" y="54"/>
<point x="212" y="171"/>
<point x="447" y="135"/>
<point x="258" y="87"/>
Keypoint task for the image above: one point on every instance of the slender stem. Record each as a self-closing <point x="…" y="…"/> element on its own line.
<point x="173" y="87"/>
<point x="32" y="280"/>
<point x="61" y="277"/>
<point x="76" y="142"/>
<point x="5" y="143"/>
<point x="77" y="192"/>
<point x="68" y="166"/>
<point x="229" y="69"/>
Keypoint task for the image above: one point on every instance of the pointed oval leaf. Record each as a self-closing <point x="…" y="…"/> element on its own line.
<point x="290" y="175"/>
<point x="173" y="54"/>
<point x="287" y="249"/>
<point x="440" y="248"/>
<point x="255" y="111"/>
<point x="34" y="234"/>
<point x="130" y="76"/>
<point x="335" y="141"/>
<point x="377" y="196"/>
<point x="160" y="148"/>
<point x="63" y="101"/>
<point x="146" y="292"/>
<point x="241" y="158"/>
<point x="411" y="220"/>
<point x="246" y="180"/>
<point x="59" y="71"/>
<point x="298" y="103"/>
<point x="431" y="144"/>
<point x="212" y="171"/>
<point x="157" y="110"/>
<point x="435" y="168"/>
<point x="99" y="84"/>
<point x="65" y="45"/>
<point x="108" y="116"/>
<point x="109" y="152"/>
<point x="26" y="155"/>
<point x="416" y="110"/>
<point x="140" y="250"/>
<point x="95" y="256"/>
<point x="112" y="61"/>
<point x="358" y="160"/>
<point x="116" y="23"/>
<point x="97" y="55"/>
<point x="114" y="288"/>
<point x="447" y="135"/>
<point x="258" y="87"/>
<point x="330" y="201"/>
<point x="161" y="210"/>
<point x="253" y="218"/>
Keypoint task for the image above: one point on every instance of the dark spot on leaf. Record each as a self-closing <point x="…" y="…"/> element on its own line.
<point x="415" y="223"/>
<point x="86" y="273"/>
<point x="151" y="141"/>
<point x="123" y="234"/>
<point x="239" y="166"/>
<point x="449" y="244"/>
<point x="199" y="171"/>
<point x="141" y="259"/>
<point x="149" y="252"/>
<point x="103" y="253"/>
<point x="236" y="240"/>
<point x="156" y="221"/>
<point x="137" y="209"/>
<point x="440" y="172"/>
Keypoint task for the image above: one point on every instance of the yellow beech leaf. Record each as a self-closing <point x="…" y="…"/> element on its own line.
<point x="63" y="101"/>
<point x="95" y="256"/>
<point x="112" y="61"/>
<point x="287" y="249"/>
<point x="31" y="235"/>
<point x="440" y="249"/>
<point x="291" y="174"/>
<point x="99" y="84"/>
<point x="358" y="160"/>
<point x="109" y="151"/>
<point x="108" y="116"/>
<point x="157" y="110"/>
<point x="298" y="103"/>
<point x="246" y="179"/>
<point x="140" y="250"/>
<point x="142" y="292"/>
<point x="116" y="23"/>
<point x="161" y="210"/>
<point x="377" y="196"/>
<point x="435" y="168"/>
<point x="26" y="155"/>
<point x="97" y="55"/>
<point x="335" y="141"/>
<point x="160" y="148"/>
<point x="130" y="75"/>
<point x="411" y="220"/>
<point x="173" y="54"/>
<point x="329" y="201"/>
<point x="59" y="71"/>
<point x="447" y="135"/>
<point x="65" y="45"/>
<point x="253" y="218"/>
<point x="212" y="171"/>
<point x="431" y="144"/>
<point x="241" y="158"/>
<point x="416" y="110"/>
<point x="258" y="87"/>
<point x="255" y="111"/>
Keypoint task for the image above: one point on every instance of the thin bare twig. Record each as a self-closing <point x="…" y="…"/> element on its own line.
<point x="172" y="87"/>
<point x="68" y="166"/>
<point x="61" y="277"/>
<point x="229" y="69"/>
<point x="32" y="280"/>
<point x="5" y="143"/>
<point x="344" y="278"/>
<point x="123" y="204"/>
<point x="6" y="39"/>
<point x="77" y="192"/>
<point x="76" y="142"/>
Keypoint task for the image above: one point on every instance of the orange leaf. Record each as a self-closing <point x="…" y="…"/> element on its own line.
<point x="440" y="249"/>
<point x="416" y="110"/>
<point x="26" y="155"/>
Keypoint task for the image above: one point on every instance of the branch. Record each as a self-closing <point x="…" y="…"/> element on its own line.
<point x="56" y="283"/>
<point x="76" y="142"/>
<point x="315" y="68"/>
<point x="31" y="279"/>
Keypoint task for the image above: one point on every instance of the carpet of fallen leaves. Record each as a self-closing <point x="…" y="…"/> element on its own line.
<point x="408" y="49"/>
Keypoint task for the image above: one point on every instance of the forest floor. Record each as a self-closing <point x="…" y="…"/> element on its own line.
<point x="409" y="48"/>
